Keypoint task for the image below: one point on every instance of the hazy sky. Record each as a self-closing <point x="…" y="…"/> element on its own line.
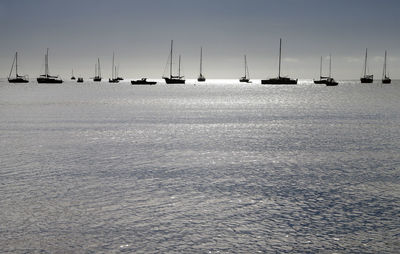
<point x="139" y="31"/>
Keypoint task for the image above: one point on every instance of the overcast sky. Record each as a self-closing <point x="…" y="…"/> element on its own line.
<point x="139" y="31"/>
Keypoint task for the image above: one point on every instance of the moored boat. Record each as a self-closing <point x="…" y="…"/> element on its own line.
<point x="17" y="78"/>
<point x="246" y="77"/>
<point x="201" y="77"/>
<point x="143" y="81"/>
<point x="97" y="71"/>
<point x="279" y="80"/>
<point x="385" y="77"/>
<point x="174" y="79"/>
<point x="113" y="78"/>
<point x="72" y="75"/>
<point x="322" y="80"/>
<point x="330" y="81"/>
<point x="366" y="78"/>
<point x="46" y="78"/>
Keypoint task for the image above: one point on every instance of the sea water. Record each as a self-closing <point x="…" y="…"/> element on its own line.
<point x="219" y="167"/>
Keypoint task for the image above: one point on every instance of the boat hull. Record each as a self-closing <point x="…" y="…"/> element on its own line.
<point x="334" y="83"/>
<point x="366" y="80"/>
<point x="113" y="80"/>
<point x="174" y="81"/>
<point x="143" y="82"/>
<point x="49" y="81"/>
<point x="244" y="80"/>
<point x="18" y="80"/>
<point x="386" y="81"/>
<point x="202" y="79"/>
<point x="279" y="81"/>
<point x="80" y="80"/>
<point x="320" y="81"/>
<point x="96" y="79"/>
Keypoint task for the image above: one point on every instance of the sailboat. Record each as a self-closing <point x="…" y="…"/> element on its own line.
<point x="46" y="77"/>
<point x="246" y="77"/>
<point x="279" y="80"/>
<point x="322" y="80"/>
<point x="329" y="80"/>
<point x="143" y="81"/>
<point x="17" y="78"/>
<point x="117" y="72"/>
<point x="80" y="80"/>
<point x="113" y="78"/>
<point x="366" y="78"/>
<point x="97" y="71"/>
<point x="201" y="78"/>
<point x="72" y="75"/>
<point x="174" y="79"/>
<point x="385" y="77"/>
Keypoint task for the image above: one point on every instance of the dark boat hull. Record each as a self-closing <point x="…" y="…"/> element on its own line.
<point x="244" y="80"/>
<point x="201" y="79"/>
<point x="279" y="81"/>
<point x="80" y="80"/>
<point x="174" y="81"/>
<point x="143" y="82"/>
<point x="49" y="81"/>
<point x="18" y="80"/>
<point x="96" y="79"/>
<point x="334" y="83"/>
<point x="366" y="80"/>
<point x="113" y="81"/>
<point x="320" y="81"/>
<point x="386" y="81"/>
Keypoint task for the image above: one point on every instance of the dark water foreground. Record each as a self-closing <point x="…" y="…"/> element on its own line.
<point x="199" y="169"/>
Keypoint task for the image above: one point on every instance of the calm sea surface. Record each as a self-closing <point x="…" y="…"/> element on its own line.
<point x="211" y="168"/>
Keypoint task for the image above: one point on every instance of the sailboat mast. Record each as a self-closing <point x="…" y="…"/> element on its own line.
<point x="112" y="68"/>
<point x="12" y="66"/>
<point x="201" y="61"/>
<point x="16" y="64"/>
<point x="384" y="66"/>
<point x="280" y="55"/>
<point x="179" y="67"/>
<point x="98" y="67"/>
<point x="47" y="63"/>
<point x="330" y="65"/>
<point x="320" y="68"/>
<point x="95" y="69"/>
<point x="245" y="66"/>
<point x="170" y="59"/>
<point x="365" y="62"/>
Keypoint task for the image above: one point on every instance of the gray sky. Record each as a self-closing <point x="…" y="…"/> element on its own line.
<point x="139" y="31"/>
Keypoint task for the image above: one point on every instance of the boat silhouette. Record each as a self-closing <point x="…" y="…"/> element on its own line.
<point x="385" y="77"/>
<point x="201" y="77"/>
<point x="97" y="71"/>
<point x="246" y="77"/>
<point x="17" y="78"/>
<point x="366" y="78"/>
<point x="174" y="79"/>
<point x="46" y="78"/>
<point x="279" y="80"/>
<point x="143" y="81"/>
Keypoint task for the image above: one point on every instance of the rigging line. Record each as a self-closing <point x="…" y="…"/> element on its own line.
<point x="12" y="67"/>
<point x="166" y="68"/>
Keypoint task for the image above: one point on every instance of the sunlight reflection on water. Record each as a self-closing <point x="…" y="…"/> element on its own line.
<point x="205" y="168"/>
